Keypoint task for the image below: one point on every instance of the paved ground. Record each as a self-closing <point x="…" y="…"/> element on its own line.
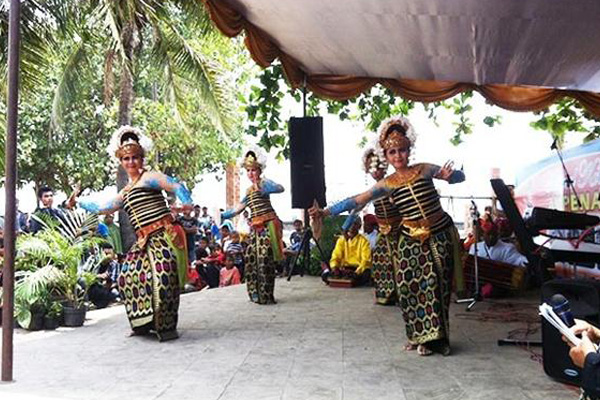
<point x="316" y="343"/>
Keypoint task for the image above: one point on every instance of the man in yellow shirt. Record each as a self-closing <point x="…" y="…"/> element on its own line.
<point x="351" y="257"/>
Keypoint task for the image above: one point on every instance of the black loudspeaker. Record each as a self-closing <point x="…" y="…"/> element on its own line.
<point x="584" y="300"/>
<point x="306" y="161"/>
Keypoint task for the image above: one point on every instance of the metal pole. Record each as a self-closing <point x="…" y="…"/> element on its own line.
<point x="10" y="212"/>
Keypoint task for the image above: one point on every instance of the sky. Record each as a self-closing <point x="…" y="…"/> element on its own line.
<point x="509" y="147"/>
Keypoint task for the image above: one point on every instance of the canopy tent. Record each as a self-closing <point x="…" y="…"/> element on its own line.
<point x="521" y="55"/>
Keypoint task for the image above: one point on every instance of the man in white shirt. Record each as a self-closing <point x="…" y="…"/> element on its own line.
<point x="497" y="250"/>
<point x="371" y="230"/>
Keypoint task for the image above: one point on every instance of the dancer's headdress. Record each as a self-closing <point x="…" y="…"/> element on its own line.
<point x="396" y="131"/>
<point x="129" y="140"/>
<point x="373" y="160"/>
<point x="254" y="157"/>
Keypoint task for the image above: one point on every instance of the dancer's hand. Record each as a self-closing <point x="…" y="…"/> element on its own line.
<point x="72" y="200"/>
<point x="446" y="171"/>
<point x="316" y="219"/>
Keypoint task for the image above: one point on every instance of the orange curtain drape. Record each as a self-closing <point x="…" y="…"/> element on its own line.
<point x="264" y="51"/>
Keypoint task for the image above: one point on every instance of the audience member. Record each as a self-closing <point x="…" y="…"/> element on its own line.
<point x="205" y="220"/>
<point x="46" y="197"/>
<point x="190" y="227"/>
<point x="225" y="230"/>
<point x="201" y="249"/>
<point x="351" y="256"/>
<point x="105" y="290"/>
<point x="371" y="229"/>
<point x="236" y="249"/>
<point x="114" y="233"/>
<point x="497" y="250"/>
<point x="209" y="267"/>
<point x="291" y="252"/>
<point x="229" y="274"/>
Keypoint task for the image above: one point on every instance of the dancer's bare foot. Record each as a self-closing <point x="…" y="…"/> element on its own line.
<point x="410" y="347"/>
<point x="423" y="350"/>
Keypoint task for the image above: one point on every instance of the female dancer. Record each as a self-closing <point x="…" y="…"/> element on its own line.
<point x="265" y="247"/>
<point x="427" y="240"/>
<point x="155" y="266"/>
<point x="388" y="218"/>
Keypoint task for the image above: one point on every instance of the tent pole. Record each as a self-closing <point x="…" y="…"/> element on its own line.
<point x="10" y="212"/>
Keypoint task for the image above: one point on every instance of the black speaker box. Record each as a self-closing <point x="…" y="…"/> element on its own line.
<point x="584" y="300"/>
<point x="306" y="161"/>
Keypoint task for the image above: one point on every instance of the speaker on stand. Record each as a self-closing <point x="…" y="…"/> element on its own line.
<point x="307" y="171"/>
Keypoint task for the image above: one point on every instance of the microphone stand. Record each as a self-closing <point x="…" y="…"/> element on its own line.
<point x="568" y="181"/>
<point x="477" y="293"/>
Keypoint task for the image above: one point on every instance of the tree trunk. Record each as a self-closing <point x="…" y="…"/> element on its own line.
<point x="126" y="97"/>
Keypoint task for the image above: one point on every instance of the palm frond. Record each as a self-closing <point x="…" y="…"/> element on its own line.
<point x="204" y="73"/>
<point x="72" y="75"/>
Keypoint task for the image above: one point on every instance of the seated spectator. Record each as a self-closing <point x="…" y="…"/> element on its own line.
<point x="237" y="250"/>
<point x="105" y="290"/>
<point x="209" y="267"/>
<point x="201" y="249"/>
<point x="229" y="274"/>
<point x="225" y="230"/>
<point x="351" y="257"/>
<point x="497" y="250"/>
<point x="290" y="252"/>
<point x="371" y="229"/>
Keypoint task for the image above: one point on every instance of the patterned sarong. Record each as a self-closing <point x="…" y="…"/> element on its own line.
<point x="259" y="267"/>
<point x="424" y="284"/>
<point x="149" y="285"/>
<point x="383" y="271"/>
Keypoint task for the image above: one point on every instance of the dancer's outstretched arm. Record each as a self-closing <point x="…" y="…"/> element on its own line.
<point x="236" y="210"/>
<point x="268" y="187"/>
<point x="158" y="180"/>
<point x="97" y="207"/>
<point x="445" y="172"/>
<point x="359" y="201"/>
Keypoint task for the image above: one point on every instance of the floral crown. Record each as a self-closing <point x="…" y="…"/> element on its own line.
<point x="254" y="158"/>
<point x="396" y="132"/>
<point x="140" y="144"/>
<point x="373" y="160"/>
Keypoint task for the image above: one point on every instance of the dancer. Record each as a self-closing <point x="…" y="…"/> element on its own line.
<point x="155" y="266"/>
<point x="265" y="247"/>
<point x="388" y="218"/>
<point x="427" y="240"/>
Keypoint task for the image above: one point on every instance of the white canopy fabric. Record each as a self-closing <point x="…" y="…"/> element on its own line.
<point x="548" y="44"/>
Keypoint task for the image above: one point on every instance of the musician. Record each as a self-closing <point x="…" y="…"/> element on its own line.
<point x="585" y="356"/>
<point x="494" y="249"/>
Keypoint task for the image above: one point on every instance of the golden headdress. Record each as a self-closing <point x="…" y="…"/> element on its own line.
<point x="254" y="158"/>
<point x="129" y="140"/>
<point x="396" y="131"/>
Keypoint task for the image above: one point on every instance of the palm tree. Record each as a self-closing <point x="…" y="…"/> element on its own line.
<point x="170" y="30"/>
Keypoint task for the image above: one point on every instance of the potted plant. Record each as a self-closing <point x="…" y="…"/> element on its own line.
<point x="53" y="315"/>
<point x="32" y="293"/>
<point x="61" y="249"/>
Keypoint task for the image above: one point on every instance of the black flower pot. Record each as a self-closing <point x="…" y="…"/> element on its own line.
<point x="74" y="316"/>
<point x="51" y="323"/>
<point x="37" y="322"/>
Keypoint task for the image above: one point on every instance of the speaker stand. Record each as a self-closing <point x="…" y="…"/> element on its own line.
<point x="304" y="249"/>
